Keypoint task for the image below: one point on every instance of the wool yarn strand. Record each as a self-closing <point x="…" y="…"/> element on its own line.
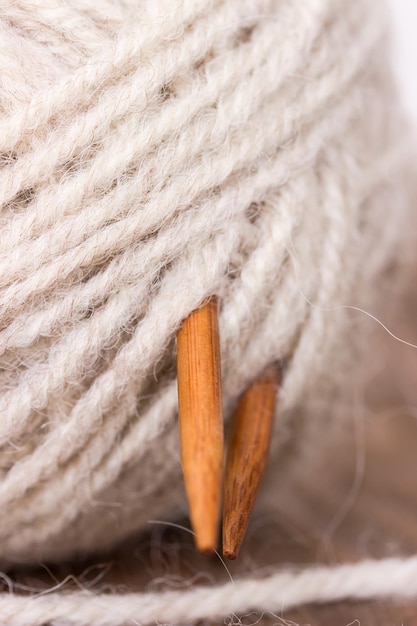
<point x="146" y="35"/>
<point x="283" y="590"/>
<point x="29" y="474"/>
<point x="10" y="298"/>
<point x="50" y="203"/>
<point x="128" y="228"/>
<point x="61" y="144"/>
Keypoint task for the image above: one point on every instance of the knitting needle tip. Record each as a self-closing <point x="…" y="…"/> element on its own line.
<point x="201" y="421"/>
<point x="230" y="553"/>
<point x="247" y="457"/>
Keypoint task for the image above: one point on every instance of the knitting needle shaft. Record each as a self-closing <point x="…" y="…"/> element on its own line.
<point x="201" y="420"/>
<point x="247" y="457"/>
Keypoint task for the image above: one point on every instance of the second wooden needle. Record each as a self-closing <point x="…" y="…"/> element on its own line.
<point x="201" y="420"/>
<point x="247" y="457"/>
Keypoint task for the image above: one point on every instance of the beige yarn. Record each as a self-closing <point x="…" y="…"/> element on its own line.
<point x="154" y="153"/>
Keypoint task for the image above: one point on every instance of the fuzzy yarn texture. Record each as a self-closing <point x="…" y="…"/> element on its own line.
<point x="154" y="153"/>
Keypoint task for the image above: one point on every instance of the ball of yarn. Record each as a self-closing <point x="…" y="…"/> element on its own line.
<point x="154" y="154"/>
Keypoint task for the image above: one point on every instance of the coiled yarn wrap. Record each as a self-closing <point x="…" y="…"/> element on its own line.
<point x="153" y="154"/>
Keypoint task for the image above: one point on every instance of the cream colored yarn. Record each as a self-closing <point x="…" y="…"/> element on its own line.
<point x="369" y="579"/>
<point x="154" y="153"/>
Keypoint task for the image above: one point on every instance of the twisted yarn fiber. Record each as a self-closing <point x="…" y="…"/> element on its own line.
<point x="152" y="154"/>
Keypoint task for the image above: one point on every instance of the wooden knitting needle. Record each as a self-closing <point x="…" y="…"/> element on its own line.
<point x="201" y="421"/>
<point x="247" y="457"/>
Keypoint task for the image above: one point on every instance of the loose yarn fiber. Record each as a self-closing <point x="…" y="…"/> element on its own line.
<point x="152" y="154"/>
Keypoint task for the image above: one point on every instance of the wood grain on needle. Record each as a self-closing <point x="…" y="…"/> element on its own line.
<point x="247" y="457"/>
<point x="201" y="421"/>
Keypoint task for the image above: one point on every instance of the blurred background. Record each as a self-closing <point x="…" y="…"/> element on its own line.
<point x="405" y="18"/>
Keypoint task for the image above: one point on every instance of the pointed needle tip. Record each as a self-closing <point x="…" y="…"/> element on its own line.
<point x="201" y="421"/>
<point x="230" y="554"/>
